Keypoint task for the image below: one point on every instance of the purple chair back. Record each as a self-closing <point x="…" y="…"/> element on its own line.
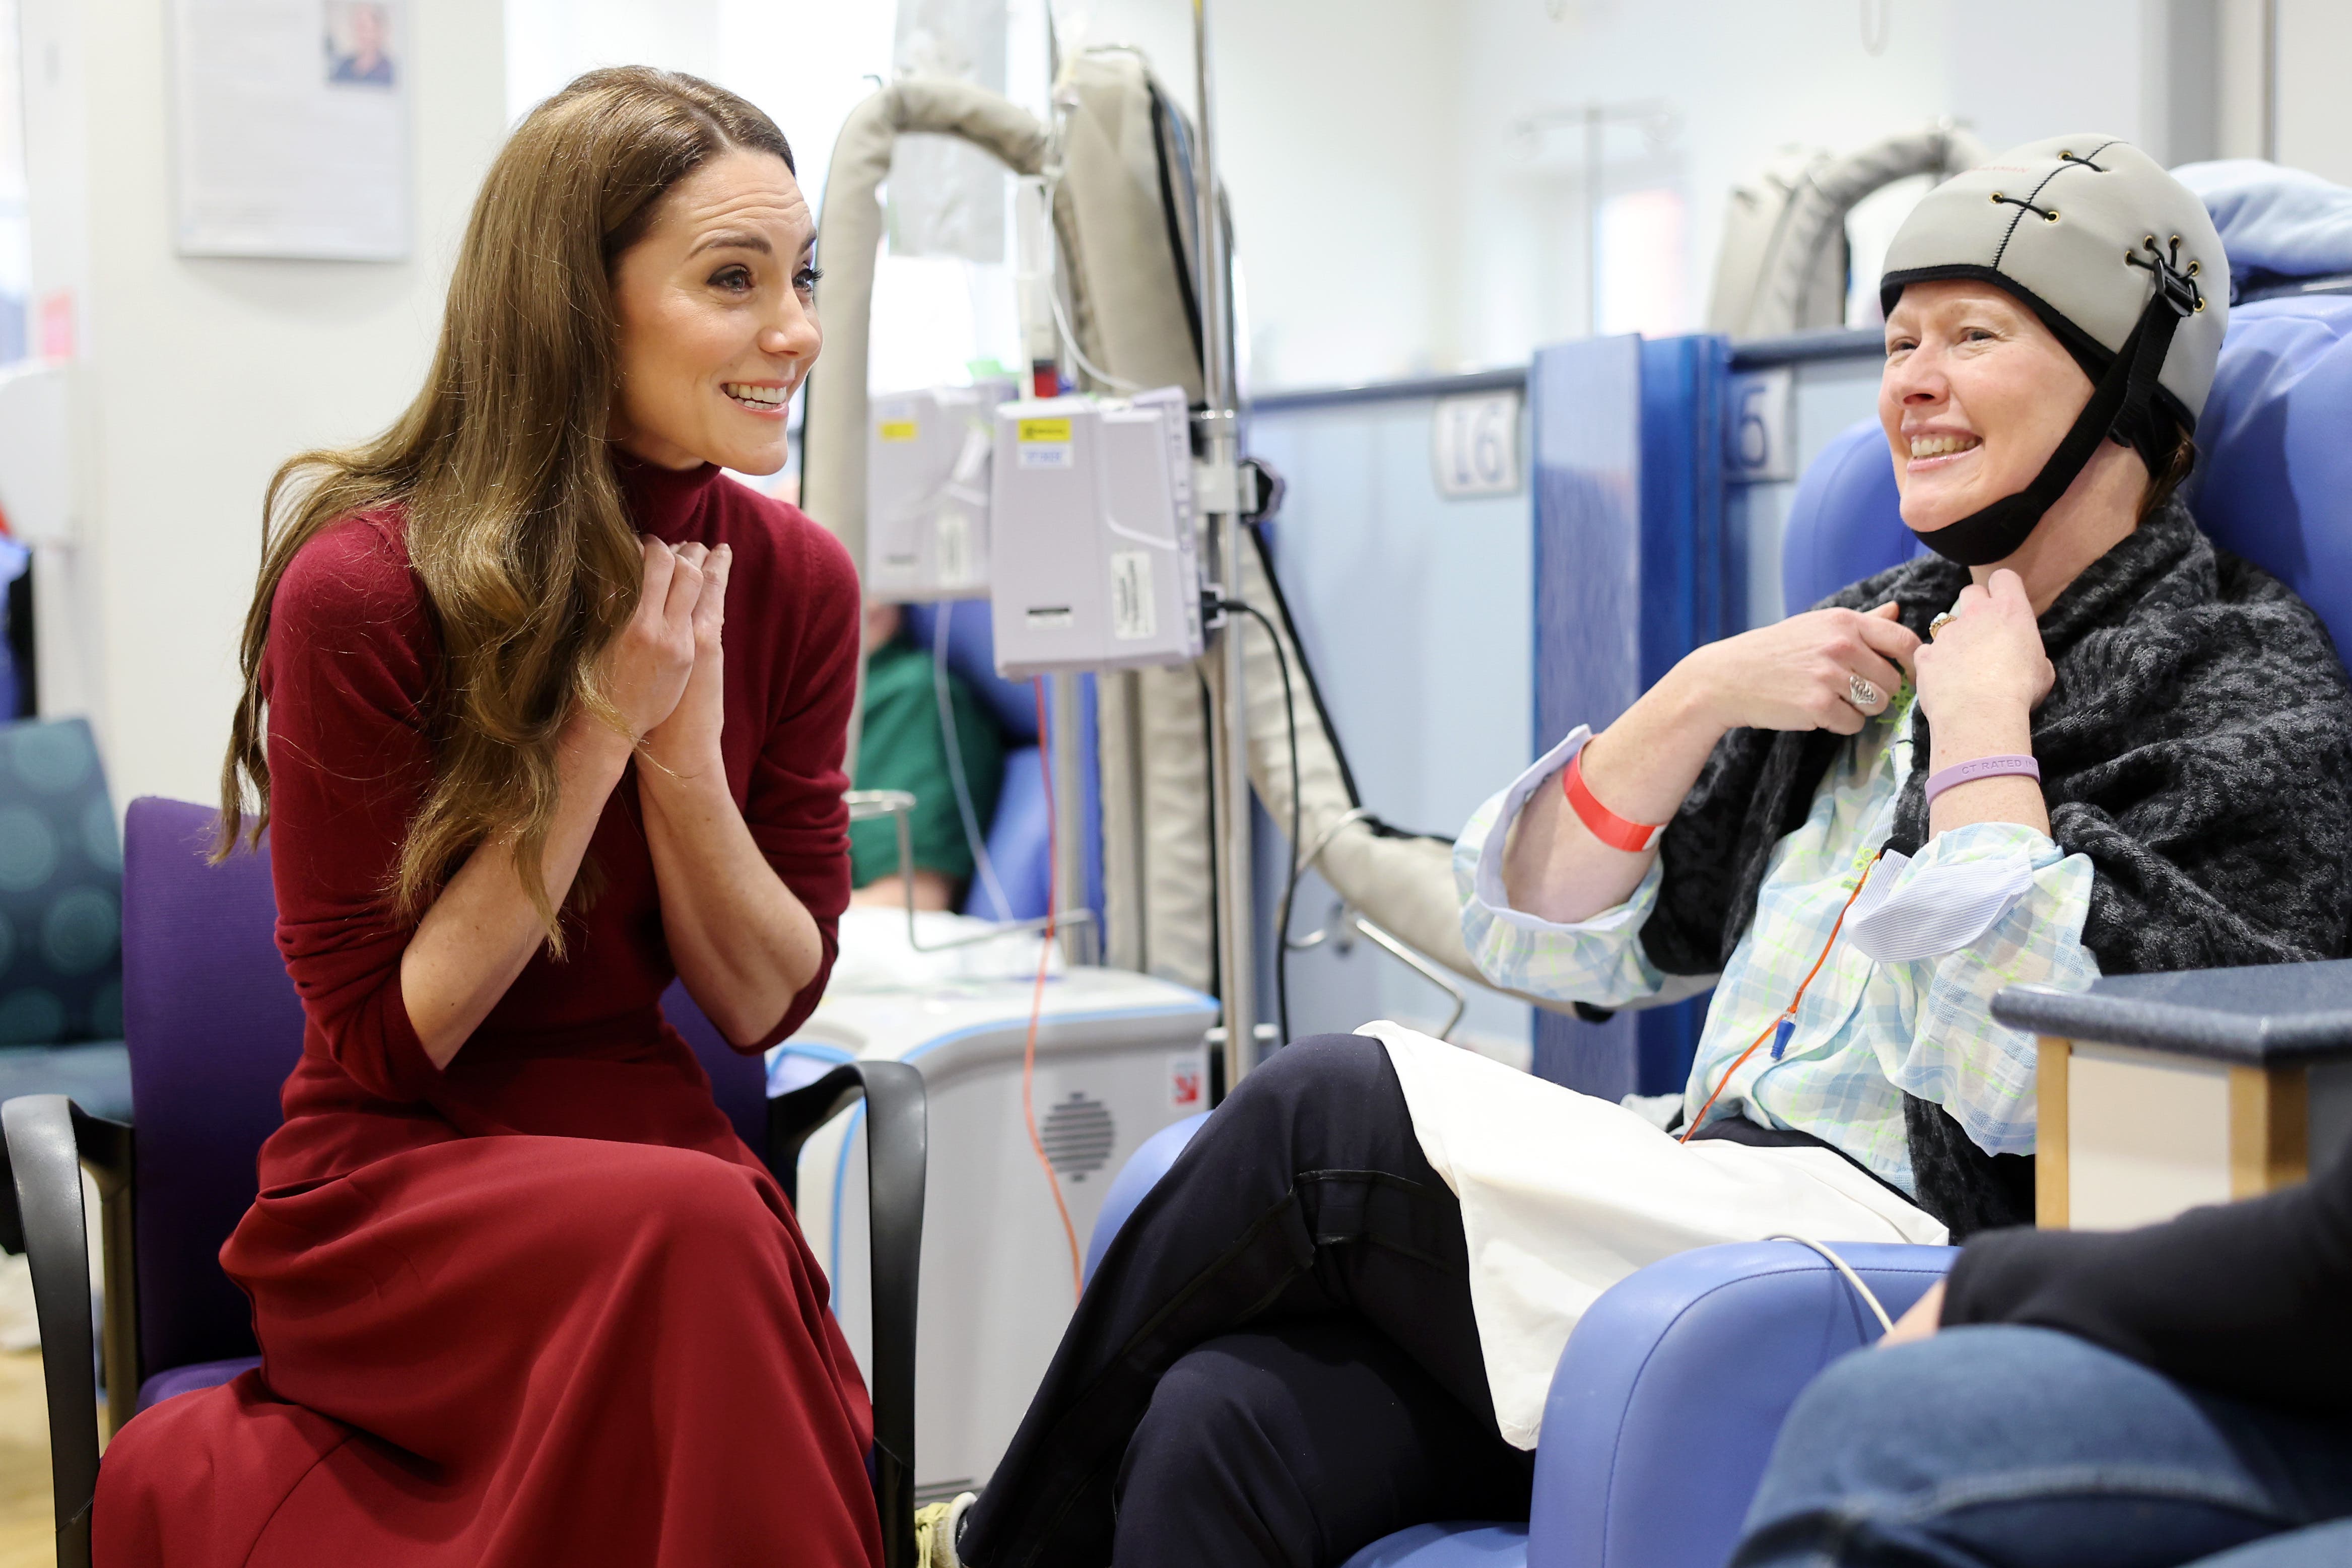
<point x="213" y="1026"/>
<point x="738" y="1083"/>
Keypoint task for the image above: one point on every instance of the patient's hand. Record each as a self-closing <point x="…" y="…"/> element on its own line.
<point x="1926" y="1316"/>
<point x="1799" y="674"/>
<point x="1987" y="664"/>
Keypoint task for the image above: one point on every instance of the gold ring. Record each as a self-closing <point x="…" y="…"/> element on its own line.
<point x="1939" y="622"/>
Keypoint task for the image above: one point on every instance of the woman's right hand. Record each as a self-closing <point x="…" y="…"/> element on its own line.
<point x="1797" y="673"/>
<point x="649" y="664"/>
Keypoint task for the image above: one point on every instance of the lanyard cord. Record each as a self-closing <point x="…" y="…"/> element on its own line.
<point x="1789" y="1018"/>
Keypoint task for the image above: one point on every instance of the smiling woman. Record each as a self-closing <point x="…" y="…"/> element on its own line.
<point x="554" y="715"/>
<point x="2076" y="740"/>
<point x="717" y="333"/>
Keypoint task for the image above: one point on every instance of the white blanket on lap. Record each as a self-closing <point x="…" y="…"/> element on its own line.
<point x="1563" y="1195"/>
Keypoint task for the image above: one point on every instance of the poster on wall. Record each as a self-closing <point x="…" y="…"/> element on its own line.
<point x="291" y="128"/>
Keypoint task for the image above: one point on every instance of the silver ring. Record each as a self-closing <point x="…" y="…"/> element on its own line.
<point x="1860" y="693"/>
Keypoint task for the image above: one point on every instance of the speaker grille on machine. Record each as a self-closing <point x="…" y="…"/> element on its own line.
<point x="1079" y="1136"/>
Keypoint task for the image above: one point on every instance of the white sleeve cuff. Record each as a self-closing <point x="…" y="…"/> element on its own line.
<point x="1958" y="889"/>
<point x="1487" y="881"/>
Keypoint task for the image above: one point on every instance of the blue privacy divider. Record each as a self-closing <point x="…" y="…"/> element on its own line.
<point x="1633" y="571"/>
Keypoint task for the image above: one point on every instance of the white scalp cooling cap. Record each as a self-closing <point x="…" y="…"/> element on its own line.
<point x="2064" y="225"/>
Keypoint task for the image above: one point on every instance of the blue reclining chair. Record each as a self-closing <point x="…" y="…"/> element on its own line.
<point x="1665" y="1403"/>
<point x="1671" y="1389"/>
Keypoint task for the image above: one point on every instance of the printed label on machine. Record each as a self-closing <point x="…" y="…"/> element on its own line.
<point x="897" y="430"/>
<point x="952" y="544"/>
<point x="1133" y="613"/>
<point x="1044" y="444"/>
<point x="1188" y="1085"/>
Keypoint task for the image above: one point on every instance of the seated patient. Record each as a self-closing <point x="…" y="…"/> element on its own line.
<point x="901" y="744"/>
<point x="555" y="714"/>
<point x="1338" y="1313"/>
<point x="2141" y="1399"/>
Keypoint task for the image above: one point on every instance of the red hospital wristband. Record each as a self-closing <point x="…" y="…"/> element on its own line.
<point x="1604" y="823"/>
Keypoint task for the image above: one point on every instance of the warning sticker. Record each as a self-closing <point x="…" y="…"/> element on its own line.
<point x="1134" y="612"/>
<point x="1188" y="1087"/>
<point x="1044" y="443"/>
<point x="897" y="430"/>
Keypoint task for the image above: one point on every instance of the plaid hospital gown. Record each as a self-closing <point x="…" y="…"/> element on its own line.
<point x="1870" y="1028"/>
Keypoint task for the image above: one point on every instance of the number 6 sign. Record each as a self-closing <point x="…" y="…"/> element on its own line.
<point x="1759" y="435"/>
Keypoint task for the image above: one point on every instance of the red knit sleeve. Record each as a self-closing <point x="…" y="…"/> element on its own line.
<point x="794" y="808"/>
<point x="346" y="676"/>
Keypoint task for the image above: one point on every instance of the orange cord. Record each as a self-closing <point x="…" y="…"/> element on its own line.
<point x="1789" y="1017"/>
<point x="1037" y="995"/>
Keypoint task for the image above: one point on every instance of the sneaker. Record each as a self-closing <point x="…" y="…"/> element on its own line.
<point x="936" y="1525"/>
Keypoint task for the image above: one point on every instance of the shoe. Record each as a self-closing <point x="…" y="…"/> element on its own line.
<point x="936" y="1525"/>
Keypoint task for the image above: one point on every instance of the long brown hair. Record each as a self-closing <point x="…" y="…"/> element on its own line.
<point x="516" y="526"/>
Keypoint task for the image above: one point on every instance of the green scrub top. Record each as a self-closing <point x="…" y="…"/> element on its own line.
<point x="903" y="748"/>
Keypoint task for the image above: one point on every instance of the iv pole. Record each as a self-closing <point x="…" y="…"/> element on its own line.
<point x="1218" y="424"/>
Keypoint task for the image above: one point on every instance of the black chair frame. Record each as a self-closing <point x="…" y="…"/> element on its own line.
<point x="50" y="1141"/>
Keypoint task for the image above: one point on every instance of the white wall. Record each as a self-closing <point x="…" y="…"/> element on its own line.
<point x="1741" y="80"/>
<point x="2314" y="111"/>
<point x="196" y="378"/>
<point x="1336" y="123"/>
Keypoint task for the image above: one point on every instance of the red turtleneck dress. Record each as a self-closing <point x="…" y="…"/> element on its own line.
<point x="540" y="1307"/>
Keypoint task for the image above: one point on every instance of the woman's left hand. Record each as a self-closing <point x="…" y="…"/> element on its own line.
<point x="687" y="743"/>
<point x="1986" y="662"/>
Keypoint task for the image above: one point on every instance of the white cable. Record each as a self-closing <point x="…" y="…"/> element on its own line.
<point x="1062" y="321"/>
<point x="1070" y="342"/>
<point x="964" y="810"/>
<point x="1886" y="1324"/>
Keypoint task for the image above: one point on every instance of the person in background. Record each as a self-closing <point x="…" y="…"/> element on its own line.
<point x="2179" y="1394"/>
<point x="368" y="64"/>
<point x="904" y="747"/>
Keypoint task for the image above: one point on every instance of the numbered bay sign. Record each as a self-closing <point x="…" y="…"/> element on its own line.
<point x="1474" y="445"/>
<point x="1759" y="427"/>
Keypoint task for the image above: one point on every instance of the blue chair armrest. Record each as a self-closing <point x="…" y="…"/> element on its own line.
<point x="1674" y="1387"/>
<point x="1138" y="1176"/>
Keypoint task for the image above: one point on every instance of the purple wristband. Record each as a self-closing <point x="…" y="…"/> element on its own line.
<point x="1982" y="768"/>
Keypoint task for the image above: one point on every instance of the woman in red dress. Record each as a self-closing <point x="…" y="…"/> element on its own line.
<point x="523" y="1296"/>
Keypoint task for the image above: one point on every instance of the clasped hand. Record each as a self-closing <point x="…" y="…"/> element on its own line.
<point x="1800" y="673"/>
<point x="665" y="673"/>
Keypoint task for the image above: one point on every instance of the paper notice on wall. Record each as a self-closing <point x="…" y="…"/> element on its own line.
<point x="290" y="129"/>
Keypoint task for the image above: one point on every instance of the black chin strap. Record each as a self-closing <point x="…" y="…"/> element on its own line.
<point x="2119" y="403"/>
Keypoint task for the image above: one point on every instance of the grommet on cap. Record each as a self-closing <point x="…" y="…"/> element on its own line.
<point x="2050" y="216"/>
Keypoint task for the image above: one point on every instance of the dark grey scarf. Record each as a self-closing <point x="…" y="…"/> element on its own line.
<point x="2197" y="745"/>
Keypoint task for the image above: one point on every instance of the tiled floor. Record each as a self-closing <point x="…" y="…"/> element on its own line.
<point x="26" y="1533"/>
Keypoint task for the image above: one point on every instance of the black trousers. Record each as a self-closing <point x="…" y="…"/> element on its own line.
<point x="1276" y="1363"/>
